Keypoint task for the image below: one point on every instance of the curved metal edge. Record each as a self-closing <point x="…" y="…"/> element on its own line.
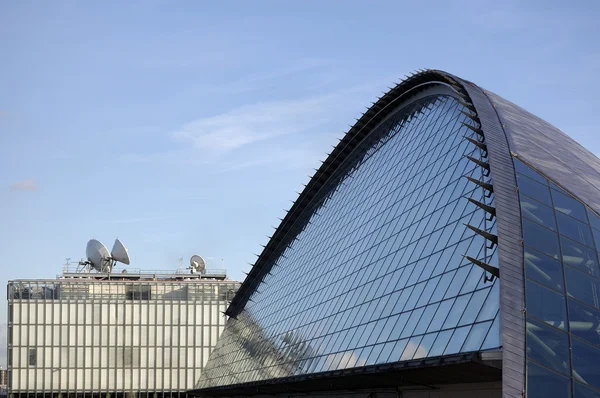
<point x="510" y="247"/>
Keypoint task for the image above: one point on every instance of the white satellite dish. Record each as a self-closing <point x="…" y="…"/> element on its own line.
<point x="119" y="252"/>
<point x="98" y="256"/>
<point x="197" y="264"/>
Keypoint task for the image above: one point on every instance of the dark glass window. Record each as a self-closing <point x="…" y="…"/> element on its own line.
<point x="544" y="269"/>
<point x="594" y="219"/>
<point x="534" y="190"/>
<point x="546" y="305"/>
<point x="540" y="238"/>
<point x="582" y="391"/>
<point x="548" y="346"/>
<point x="32" y="357"/>
<point x="575" y="229"/>
<point x="584" y="322"/>
<point x="579" y="256"/>
<point x="535" y="211"/>
<point x="583" y="287"/>
<point x="544" y="383"/>
<point x="522" y="168"/>
<point x="568" y="205"/>
<point x="586" y="365"/>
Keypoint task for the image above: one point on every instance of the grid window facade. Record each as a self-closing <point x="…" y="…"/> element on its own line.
<point x="376" y="273"/>
<point x="562" y="240"/>
<point x="89" y="336"/>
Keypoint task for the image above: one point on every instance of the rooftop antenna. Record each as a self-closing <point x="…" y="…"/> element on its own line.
<point x="197" y="265"/>
<point x="99" y="259"/>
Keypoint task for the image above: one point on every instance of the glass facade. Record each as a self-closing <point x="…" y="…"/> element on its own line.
<point x="377" y="273"/>
<point x="562" y="290"/>
<point x="89" y="336"/>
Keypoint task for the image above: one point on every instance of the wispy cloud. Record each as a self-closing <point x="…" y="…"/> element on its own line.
<point x="25" y="186"/>
<point x="136" y="220"/>
<point x="253" y="123"/>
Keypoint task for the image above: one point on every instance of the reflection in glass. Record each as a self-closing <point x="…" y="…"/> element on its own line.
<point x="540" y="238"/>
<point x="535" y="211"/>
<point x="582" y="391"/>
<point x="586" y="367"/>
<point x="574" y="229"/>
<point x="476" y="337"/>
<point x="457" y="340"/>
<point x="544" y="269"/>
<point x="579" y="256"/>
<point x="546" y="305"/>
<point x="544" y="383"/>
<point x="548" y="346"/>
<point x="567" y="205"/>
<point x="583" y="287"/>
<point x="534" y="189"/>
<point x="584" y="322"/>
<point x="522" y="168"/>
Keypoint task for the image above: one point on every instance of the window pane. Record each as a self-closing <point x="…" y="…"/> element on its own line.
<point x="522" y="168"/>
<point x="575" y="229"/>
<point x="594" y="219"/>
<point x="548" y="346"/>
<point x="540" y="238"/>
<point x="457" y="340"/>
<point x="579" y="256"/>
<point x="440" y="343"/>
<point x="545" y="304"/>
<point x="544" y="383"/>
<point x="583" y="287"/>
<point x="544" y="269"/>
<point x="533" y="189"/>
<point x="476" y="337"/>
<point x="585" y="363"/>
<point x="582" y="391"/>
<point x="568" y="205"/>
<point x="584" y="322"/>
<point x="535" y="211"/>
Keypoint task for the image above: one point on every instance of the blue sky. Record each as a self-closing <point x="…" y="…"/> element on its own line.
<point x="188" y="127"/>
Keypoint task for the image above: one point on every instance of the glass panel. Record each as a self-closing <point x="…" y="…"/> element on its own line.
<point x="546" y="305"/>
<point x="568" y="205"/>
<point x="586" y="367"/>
<point x="476" y="337"/>
<point x="544" y="383"/>
<point x="584" y="322"/>
<point x="493" y="337"/>
<point x="582" y="391"/>
<point x="583" y="287"/>
<point x="540" y="238"/>
<point x="594" y="219"/>
<point x="425" y="346"/>
<point x="538" y="212"/>
<point x="543" y="269"/>
<point x="533" y="189"/>
<point x="548" y="346"/>
<point x="440" y="343"/>
<point x="457" y="340"/>
<point x="574" y="229"/>
<point x="579" y="256"/>
<point x="522" y="168"/>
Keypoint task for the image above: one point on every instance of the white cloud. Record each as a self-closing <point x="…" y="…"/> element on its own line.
<point x="256" y="122"/>
<point x="25" y="186"/>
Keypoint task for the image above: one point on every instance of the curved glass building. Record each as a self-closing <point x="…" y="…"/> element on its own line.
<point x="448" y="246"/>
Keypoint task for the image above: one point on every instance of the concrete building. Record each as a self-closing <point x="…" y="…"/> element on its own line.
<point x="447" y="247"/>
<point x="135" y="334"/>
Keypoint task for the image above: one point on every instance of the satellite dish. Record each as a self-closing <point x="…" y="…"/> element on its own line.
<point x="197" y="264"/>
<point x="119" y="252"/>
<point x="98" y="256"/>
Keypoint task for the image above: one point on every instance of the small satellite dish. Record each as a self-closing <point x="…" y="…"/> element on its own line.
<point x="119" y="252"/>
<point x="98" y="256"/>
<point x="197" y="264"/>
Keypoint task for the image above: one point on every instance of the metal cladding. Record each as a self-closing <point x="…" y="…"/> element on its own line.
<point x="503" y="132"/>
